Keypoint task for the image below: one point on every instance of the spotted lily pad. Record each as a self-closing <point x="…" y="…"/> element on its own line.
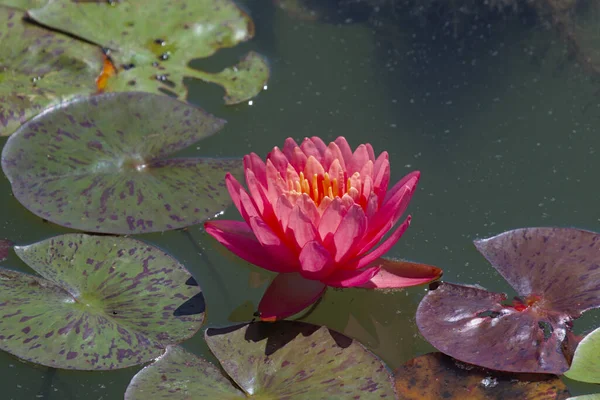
<point x="151" y="42"/>
<point x="23" y="4"/>
<point x="99" y="164"/>
<point x="101" y="303"/>
<point x="40" y="68"/>
<point x="586" y="361"/>
<point x="284" y="360"/>
<point x="179" y="374"/>
<point x="556" y="274"/>
<point x="300" y="361"/>
<point x="437" y="376"/>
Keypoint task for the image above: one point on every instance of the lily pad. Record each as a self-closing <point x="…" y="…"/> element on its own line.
<point x="99" y="164"/>
<point x="437" y="376"/>
<point x="555" y="272"/>
<point x="40" y="69"/>
<point x="151" y="42"/>
<point x="23" y="5"/>
<point x="100" y="303"/>
<point x="300" y="361"/>
<point x="179" y="374"/>
<point x="586" y="361"/>
<point x="283" y="360"/>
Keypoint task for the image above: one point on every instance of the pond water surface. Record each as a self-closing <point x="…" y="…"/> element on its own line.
<point x="502" y="126"/>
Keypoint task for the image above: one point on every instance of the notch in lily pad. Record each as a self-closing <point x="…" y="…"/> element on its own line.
<point x="556" y="274"/>
<point x="101" y="164"/>
<point x="438" y="376"/>
<point x="268" y="360"/>
<point x="98" y="303"/>
<point x="151" y="42"/>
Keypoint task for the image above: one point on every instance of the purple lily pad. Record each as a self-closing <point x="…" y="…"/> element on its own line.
<point x="286" y="360"/>
<point x="556" y="274"/>
<point x="101" y="303"/>
<point x="100" y="164"/>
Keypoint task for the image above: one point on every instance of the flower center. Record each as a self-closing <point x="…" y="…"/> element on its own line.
<point x="318" y="187"/>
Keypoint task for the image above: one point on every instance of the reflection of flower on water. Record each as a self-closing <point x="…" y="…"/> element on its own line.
<point x="315" y="214"/>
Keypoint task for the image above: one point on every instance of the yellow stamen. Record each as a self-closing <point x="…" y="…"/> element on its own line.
<point x="326" y="183"/>
<point x="298" y="189"/>
<point x="315" y="188"/>
<point x="348" y="186"/>
<point x="336" y="190"/>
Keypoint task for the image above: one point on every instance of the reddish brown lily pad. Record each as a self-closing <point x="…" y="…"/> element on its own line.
<point x="556" y="273"/>
<point x="438" y="376"/>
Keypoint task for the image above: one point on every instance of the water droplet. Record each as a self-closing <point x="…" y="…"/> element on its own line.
<point x="489" y="382"/>
<point x="165" y="56"/>
<point x="160" y="41"/>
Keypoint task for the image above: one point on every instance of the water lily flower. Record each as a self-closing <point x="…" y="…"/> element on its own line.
<point x="315" y="214"/>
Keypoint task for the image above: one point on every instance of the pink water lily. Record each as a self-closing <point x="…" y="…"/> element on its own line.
<point x="315" y="214"/>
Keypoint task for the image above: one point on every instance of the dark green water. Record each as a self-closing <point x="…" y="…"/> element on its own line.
<point x="503" y="129"/>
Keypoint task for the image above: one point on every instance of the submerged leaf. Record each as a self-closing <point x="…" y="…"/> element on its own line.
<point x="437" y="376"/>
<point x="99" y="164"/>
<point x="40" y="69"/>
<point x="586" y="361"/>
<point x="179" y="374"/>
<point x="299" y="361"/>
<point x="101" y="303"/>
<point x="556" y="273"/>
<point x="151" y="42"/>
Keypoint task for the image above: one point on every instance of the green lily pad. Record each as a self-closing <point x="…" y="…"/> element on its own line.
<point x="282" y="360"/>
<point x="23" y="5"/>
<point x="100" y="303"/>
<point x="151" y="42"/>
<point x="586" y="361"/>
<point x="300" y="361"/>
<point x="99" y="164"/>
<point x="179" y="374"/>
<point x="40" y="69"/>
<point x="438" y="376"/>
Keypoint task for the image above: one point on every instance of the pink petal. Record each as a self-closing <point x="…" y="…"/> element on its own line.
<point x="253" y="162"/>
<point x="385" y="246"/>
<point x="350" y="278"/>
<point x="234" y="188"/>
<point x="411" y="179"/>
<point x="309" y="208"/>
<point x="349" y="233"/>
<point x="381" y="176"/>
<point x="287" y="295"/>
<point x="259" y="197"/>
<point x="238" y="238"/>
<point x="370" y="152"/>
<point x="315" y="261"/>
<point x="313" y="167"/>
<point x="298" y="159"/>
<point x="279" y="160"/>
<point x="400" y="274"/>
<point x="279" y="251"/>
<point x="359" y="158"/>
<point x="346" y="151"/>
<point x="330" y="220"/>
<point x="339" y="174"/>
<point x="336" y="153"/>
<point x="276" y="184"/>
<point x="300" y="228"/>
<point x="319" y="145"/>
<point x="288" y="147"/>
<point x="309" y="148"/>
<point x="283" y="209"/>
